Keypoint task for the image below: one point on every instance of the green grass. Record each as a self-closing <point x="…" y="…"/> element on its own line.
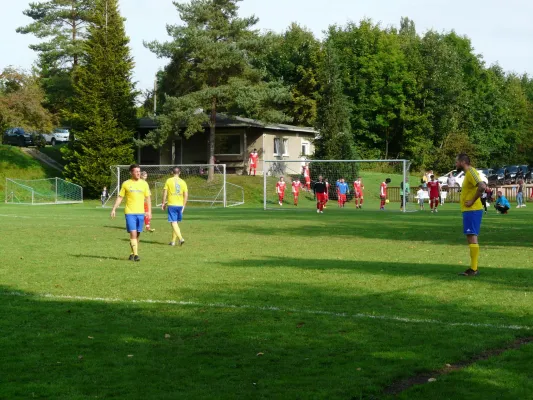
<point x="281" y="304"/>
<point x="15" y="164"/>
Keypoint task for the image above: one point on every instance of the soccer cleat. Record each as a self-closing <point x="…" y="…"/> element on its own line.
<point x="321" y="212"/>
<point x="317" y="211"/>
<point x="436" y="210"/>
<point x="136" y="258"/>
<point x="182" y="241"/>
<point x="172" y="244"/>
<point x="131" y="257"/>
<point x="150" y="230"/>
<point x="469" y="272"/>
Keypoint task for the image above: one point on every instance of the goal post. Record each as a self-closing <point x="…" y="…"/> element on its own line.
<point x="42" y="191"/>
<point x="371" y="172"/>
<point x="203" y="192"/>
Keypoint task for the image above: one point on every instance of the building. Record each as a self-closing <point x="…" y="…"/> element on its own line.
<point x="235" y="139"/>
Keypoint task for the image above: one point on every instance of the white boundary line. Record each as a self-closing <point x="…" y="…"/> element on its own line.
<point x="272" y="308"/>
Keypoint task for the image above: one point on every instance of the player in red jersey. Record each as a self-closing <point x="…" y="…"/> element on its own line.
<point x="296" y="185"/>
<point x="320" y="194"/>
<point x="326" y="194"/>
<point x="147" y="220"/>
<point x="280" y="189"/>
<point x="358" y="192"/>
<point x="307" y="177"/>
<point x="434" y="193"/>
<point x="383" y="193"/>
<point x="252" y="160"/>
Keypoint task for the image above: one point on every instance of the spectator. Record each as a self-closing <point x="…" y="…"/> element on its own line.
<point x="405" y="190"/>
<point x="486" y="198"/>
<point x="520" y="194"/>
<point x="421" y="195"/>
<point x="502" y="204"/>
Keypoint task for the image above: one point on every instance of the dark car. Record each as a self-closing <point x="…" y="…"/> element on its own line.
<point x="523" y="171"/>
<point x="512" y="172"/>
<point x="498" y="177"/>
<point x="491" y="175"/>
<point x="18" y="137"/>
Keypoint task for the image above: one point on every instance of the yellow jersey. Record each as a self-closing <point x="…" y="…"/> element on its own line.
<point x="135" y="192"/>
<point x="469" y="189"/>
<point x="176" y="189"/>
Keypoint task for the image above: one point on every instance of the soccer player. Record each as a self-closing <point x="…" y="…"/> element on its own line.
<point x="320" y="193"/>
<point x="280" y="189"/>
<point x="104" y="195"/>
<point x="358" y="192"/>
<point x="177" y="193"/>
<point x="136" y="192"/>
<point x="144" y="177"/>
<point x="307" y="177"/>
<point x="342" y="191"/>
<point x="383" y="193"/>
<point x="434" y="193"/>
<point x="328" y="185"/>
<point x="472" y="209"/>
<point x="296" y="185"/>
<point x="253" y="161"/>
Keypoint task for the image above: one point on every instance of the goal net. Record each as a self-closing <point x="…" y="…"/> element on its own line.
<point x="42" y="191"/>
<point x="369" y="175"/>
<point x="202" y="192"/>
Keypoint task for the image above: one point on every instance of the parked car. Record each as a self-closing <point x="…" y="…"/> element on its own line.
<point x="459" y="178"/>
<point x="512" y="172"/>
<point x="492" y="176"/>
<point x="59" y="135"/>
<point x="18" y="137"/>
<point x="500" y="173"/>
<point x="523" y="171"/>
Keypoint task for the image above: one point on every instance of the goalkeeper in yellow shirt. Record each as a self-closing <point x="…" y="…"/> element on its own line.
<point x="472" y="209"/>
<point x="135" y="191"/>
<point x="177" y="194"/>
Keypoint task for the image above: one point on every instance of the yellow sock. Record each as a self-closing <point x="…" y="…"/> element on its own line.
<point x="174" y="236"/>
<point x="177" y="231"/>
<point x="474" y="256"/>
<point x="134" y="246"/>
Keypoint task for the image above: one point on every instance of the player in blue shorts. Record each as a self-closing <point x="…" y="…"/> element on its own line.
<point x="177" y="194"/>
<point x="472" y="209"/>
<point x="136" y="191"/>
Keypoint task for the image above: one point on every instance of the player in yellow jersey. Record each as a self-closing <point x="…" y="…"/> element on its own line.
<point x="177" y="194"/>
<point x="135" y="191"/>
<point x="472" y="209"/>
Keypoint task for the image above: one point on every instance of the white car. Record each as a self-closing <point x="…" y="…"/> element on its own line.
<point x="459" y="178"/>
<point x="57" y="136"/>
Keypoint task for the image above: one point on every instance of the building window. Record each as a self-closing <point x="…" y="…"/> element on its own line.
<point x="226" y="145"/>
<point x="281" y="147"/>
<point x="305" y="148"/>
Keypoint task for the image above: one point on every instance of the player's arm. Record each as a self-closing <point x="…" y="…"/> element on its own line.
<point x="185" y="198"/>
<point x="164" y="203"/>
<point x="117" y="203"/>
<point x="149" y="202"/>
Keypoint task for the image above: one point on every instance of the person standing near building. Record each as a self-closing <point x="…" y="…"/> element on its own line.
<point x="252" y="161"/>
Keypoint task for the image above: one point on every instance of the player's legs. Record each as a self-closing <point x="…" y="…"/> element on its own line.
<point x="436" y="204"/>
<point x="134" y="226"/>
<point x="382" y="203"/>
<point x="175" y="216"/>
<point x="471" y="227"/>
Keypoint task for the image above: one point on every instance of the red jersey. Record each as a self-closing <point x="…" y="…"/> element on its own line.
<point x="280" y="187"/>
<point x="296" y="187"/>
<point x="306" y="172"/>
<point x="383" y="190"/>
<point x="357" y="186"/>
<point x="433" y="189"/>
<point x="253" y="158"/>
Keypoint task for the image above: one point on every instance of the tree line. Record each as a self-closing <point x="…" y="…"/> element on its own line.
<point x="371" y="91"/>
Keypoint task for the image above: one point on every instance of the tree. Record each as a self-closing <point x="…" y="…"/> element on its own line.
<point x="213" y="50"/>
<point x="62" y="26"/>
<point x="103" y="114"/>
<point x="21" y="102"/>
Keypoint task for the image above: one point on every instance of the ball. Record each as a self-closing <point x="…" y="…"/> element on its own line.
<point x="387" y="201"/>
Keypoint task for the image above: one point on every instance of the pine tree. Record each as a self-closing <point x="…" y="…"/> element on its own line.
<point x="104" y="107"/>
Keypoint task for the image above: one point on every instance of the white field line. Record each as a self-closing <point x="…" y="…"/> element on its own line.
<point x="273" y="308"/>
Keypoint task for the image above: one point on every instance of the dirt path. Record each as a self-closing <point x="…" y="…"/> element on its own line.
<point x="35" y="153"/>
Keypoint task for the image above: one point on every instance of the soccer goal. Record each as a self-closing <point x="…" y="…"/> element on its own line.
<point x="203" y="192"/>
<point x="42" y="191"/>
<point x="369" y="174"/>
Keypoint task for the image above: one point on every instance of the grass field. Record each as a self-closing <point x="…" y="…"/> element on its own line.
<point x="271" y="305"/>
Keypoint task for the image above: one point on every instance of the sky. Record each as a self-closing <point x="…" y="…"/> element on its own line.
<point x="499" y="30"/>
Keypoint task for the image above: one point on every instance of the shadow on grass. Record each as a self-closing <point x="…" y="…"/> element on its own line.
<point x="120" y="228"/>
<point x="64" y="349"/>
<point x="98" y="257"/>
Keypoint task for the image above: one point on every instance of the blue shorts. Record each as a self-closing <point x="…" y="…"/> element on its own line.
<point x="472" y="222"/>
<point x="134" y="222"/>
<point x="174" y="213"/>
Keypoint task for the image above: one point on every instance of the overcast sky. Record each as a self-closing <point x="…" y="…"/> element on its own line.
<point x="500" y="30"/>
